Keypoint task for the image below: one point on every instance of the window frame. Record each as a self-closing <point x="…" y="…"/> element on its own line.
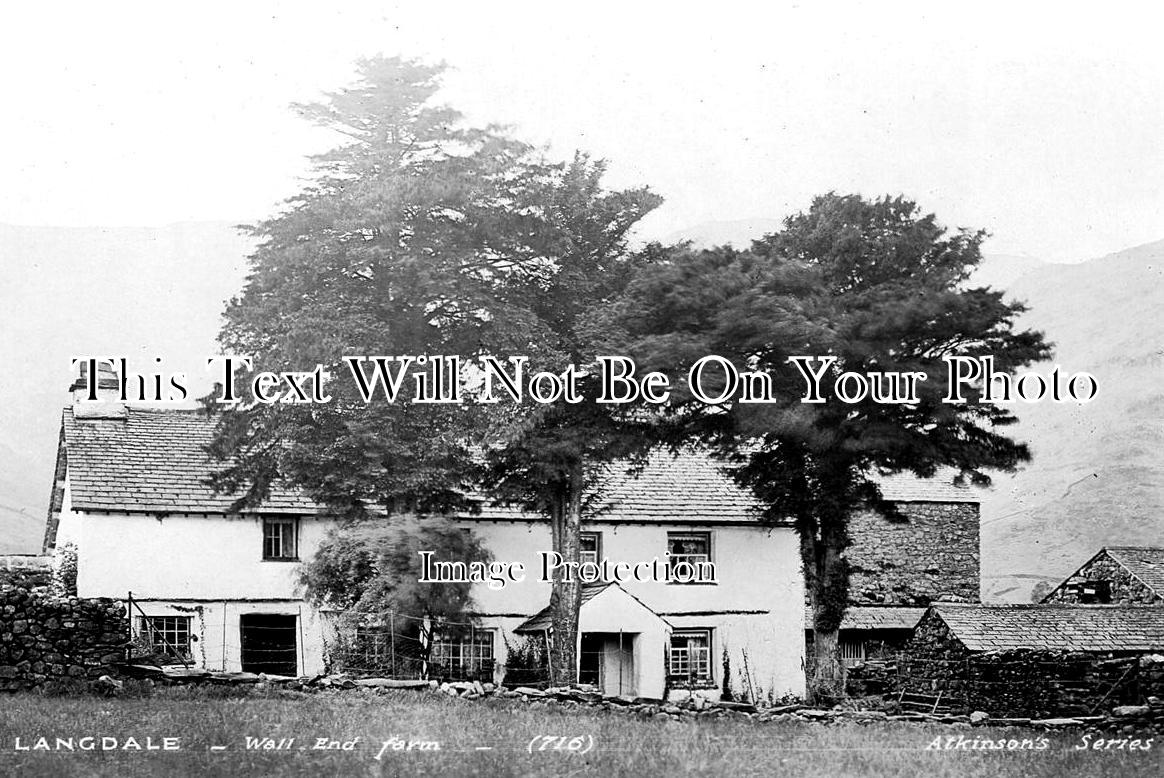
<point x="597" y="536"/>
<point x="688" y="680"/>
<point x="148" y="628"/>
<point x="283" y="557"/>
<point x="470" y="661"/>
<point x="704" y="535"/>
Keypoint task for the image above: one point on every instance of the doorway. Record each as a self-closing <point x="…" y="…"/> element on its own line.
<point x="268" y="643"/>
<point x="607" y="660"/>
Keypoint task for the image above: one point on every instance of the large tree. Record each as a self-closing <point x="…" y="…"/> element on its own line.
<point x="548" y="457"/>
<point x="399" y="245"/>
<point x="421" y="236"/>
<point x="880" y="287"/>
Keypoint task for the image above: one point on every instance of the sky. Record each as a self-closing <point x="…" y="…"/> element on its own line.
<point x="1038" y="122"/>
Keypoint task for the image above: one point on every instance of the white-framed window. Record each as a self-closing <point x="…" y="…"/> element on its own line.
<point x="689" y="658"/>
<point x="280" y="539"/>
<point x="591" y="543"/>
<point x="689" y="557"/>
<point x="462" y="654"/>
<point x="167" y="635"/>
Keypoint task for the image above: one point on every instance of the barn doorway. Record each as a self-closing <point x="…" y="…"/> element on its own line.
<point x="268" y="643"/>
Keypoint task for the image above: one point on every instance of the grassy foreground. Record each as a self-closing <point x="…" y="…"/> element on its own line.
<point x="621" y="745"/>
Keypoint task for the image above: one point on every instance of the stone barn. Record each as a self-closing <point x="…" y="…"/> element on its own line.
<point x="897" y="568"/>
<point x="1123" y="575"/>
<point x="1036" y="660"/>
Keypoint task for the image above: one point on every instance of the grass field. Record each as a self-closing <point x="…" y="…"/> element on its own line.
<point x="621" y="745"/>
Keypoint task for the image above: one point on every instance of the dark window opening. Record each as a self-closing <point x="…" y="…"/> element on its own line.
<point x="269" y="643"/>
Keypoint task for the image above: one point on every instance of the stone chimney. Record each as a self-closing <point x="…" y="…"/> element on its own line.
<point x="108" y="404"/>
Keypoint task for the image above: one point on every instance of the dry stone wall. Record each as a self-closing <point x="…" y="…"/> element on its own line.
<point x="47" y="639"/>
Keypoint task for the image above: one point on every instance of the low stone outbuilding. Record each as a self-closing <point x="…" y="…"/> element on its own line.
<point x="1036" y="659"/>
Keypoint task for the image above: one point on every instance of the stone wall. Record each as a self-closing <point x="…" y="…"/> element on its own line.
<point x="933" y="555"/>
<point x="1024" y="682"/>
<point x="46" y="639"/>
<point x="25" y="570"/>
<point x="1125" y="588"/>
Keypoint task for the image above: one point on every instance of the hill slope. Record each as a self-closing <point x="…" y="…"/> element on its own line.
<point x="1098" y="476"/>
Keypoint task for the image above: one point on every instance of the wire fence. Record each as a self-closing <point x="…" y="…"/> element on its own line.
<point x="404" y="646"/>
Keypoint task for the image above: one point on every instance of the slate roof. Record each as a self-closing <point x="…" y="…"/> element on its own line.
<point x="875" y="617"/>
<point x="1144" y="562"/>
<point x="153" y="460"/>
<point x="543" y="620"/>
<point x="1057" y="627"/>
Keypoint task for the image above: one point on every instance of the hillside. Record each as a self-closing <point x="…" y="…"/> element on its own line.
<point x="1098" y="476"/>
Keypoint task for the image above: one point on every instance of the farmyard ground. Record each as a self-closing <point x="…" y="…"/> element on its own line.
<point x="622" y="745"/>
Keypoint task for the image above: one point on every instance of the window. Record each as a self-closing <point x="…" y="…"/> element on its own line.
<point x="591" y="547"/>
<point x="166" y="635"/>
<point x="690" y="657"/>
<point x="852" y="652"/>
<point x="280" y="539"/>
<point x="689" y="557"/>
<point x="1093" y="592"/>
<point x="464" y="654"/>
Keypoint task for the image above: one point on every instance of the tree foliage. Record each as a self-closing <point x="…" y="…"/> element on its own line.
<point x="881" y="287"/>
<point x="373" y="569"/>
<point x="420" y="235"/>
<point x="408" y="241"/>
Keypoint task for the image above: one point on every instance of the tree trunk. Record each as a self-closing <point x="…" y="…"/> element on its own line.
<point x="827" y="681"/>
<point x="827" y="577"/>
<point x="566" y="595"/>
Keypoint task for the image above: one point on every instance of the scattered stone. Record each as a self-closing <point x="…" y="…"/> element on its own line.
<point x="391" y="683"/>
<point x="1129" y="711"/>
<point x="978" y="717"/>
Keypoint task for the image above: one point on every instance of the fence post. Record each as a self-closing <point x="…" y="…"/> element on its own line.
<point x="129" y="626"/>
<point x="392" y="639"/>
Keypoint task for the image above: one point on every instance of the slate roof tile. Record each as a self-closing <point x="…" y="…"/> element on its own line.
<point x="154" y="460"/>
<point x="1056" y="627"/>
<point x="1144" y="562"/>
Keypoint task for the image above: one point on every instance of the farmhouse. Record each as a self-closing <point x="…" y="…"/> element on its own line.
<point x="219" y="589"/>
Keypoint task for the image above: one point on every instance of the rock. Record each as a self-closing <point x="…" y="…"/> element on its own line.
<point x="674" y="710"/>
<point x="1128" y="711"/>
<point x="391" y="683"/>
<point x="108" y="684"/>
<point x="978" y="717"/>
<point x="526" y="691"/>
<point x="813" y="713"/>
<point x="741" y="707"/>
